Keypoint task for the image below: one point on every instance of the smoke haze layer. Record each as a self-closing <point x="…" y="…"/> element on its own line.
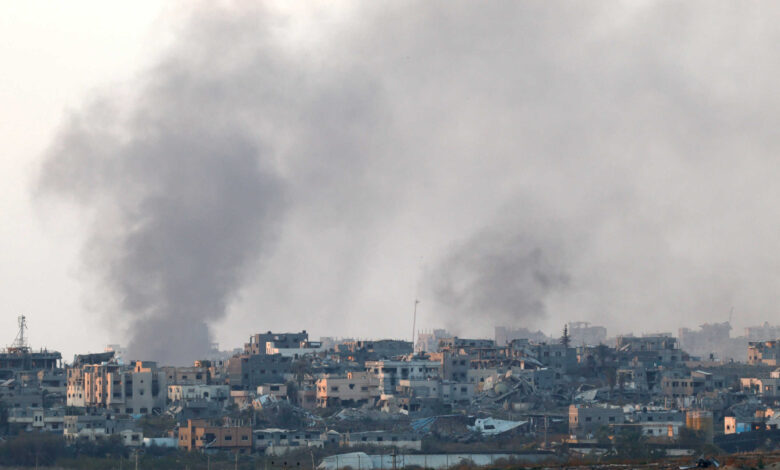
<point x="536" y="162"/>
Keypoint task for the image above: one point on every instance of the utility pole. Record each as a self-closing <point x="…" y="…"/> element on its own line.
<point x="414" y="322"/>
<point x="136" y="459"/>
<point x="236" y="465"/>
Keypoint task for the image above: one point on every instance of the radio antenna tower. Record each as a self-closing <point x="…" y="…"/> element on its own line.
<point x="20" y="342"/>
<point x="414" y="322"/>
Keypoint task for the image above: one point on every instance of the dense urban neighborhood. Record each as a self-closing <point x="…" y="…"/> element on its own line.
<point x="285" y="400"/>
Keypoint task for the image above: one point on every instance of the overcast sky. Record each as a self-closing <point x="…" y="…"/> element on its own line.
<point x="507" y="163"/>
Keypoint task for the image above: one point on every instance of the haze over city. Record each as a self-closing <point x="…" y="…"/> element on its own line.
<point x="175" y="174"/>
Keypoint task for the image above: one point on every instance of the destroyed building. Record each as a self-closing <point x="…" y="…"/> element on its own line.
<point x="584" y="334"/>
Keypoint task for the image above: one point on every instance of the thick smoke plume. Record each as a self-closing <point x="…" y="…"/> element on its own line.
<point x="317" y="161"/>
<point x="179" y="212"/>
<point x="505" y="277"/>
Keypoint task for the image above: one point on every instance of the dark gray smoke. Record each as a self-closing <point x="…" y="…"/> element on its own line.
<point x="505" y="277"/>
<point x="312" y="167"/>
<point x="179" y="211"/>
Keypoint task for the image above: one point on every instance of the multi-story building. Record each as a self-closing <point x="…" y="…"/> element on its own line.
<point x="764" y="352"/>
<point x="389" y="373"/>
<point x="247" y="372"/>
<point x="37" y="419"/>
<point x="584" y="334"/>
<point x="193" y="375"/>
<point x="94" y="427"/>
<point x="766" y="387"/>
<point x="400" y="440"/>
<point x="258" y="342"/>
<point x="654" y="415"/>
<point x="559" y="357"/>
<point x="278" y="391"/>
<point x="584" y="419"/>
<point x="303" y="349"/>
<point x="201" y="435"/>
<point x="354" y="389"/>
<point x="428" y="341"/>
<point x="649" y="350"/>
<point x="455" y="365"/>
<point x="281" y="441"/>
<point x="465" y="343"/>
<point x="444" y="391"/>
<point x="373" y="350"/>
<point x="765" y="332"/>
<point x="139" y="390"/>
<point x="713" y="341"/>
<point x="178" y="393"/>
<point x="678" y="385"/>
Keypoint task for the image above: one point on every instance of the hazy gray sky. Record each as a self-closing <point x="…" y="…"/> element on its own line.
<point x="504" y="162"/>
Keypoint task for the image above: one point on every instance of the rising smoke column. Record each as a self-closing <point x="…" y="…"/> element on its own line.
<point x="502" y="277"/>
<point x="177" y="216"/>
<point x="181" y="200"/>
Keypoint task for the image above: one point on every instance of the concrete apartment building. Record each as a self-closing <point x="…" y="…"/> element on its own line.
<point x="428" y="341"/>
<point x="192" y="375"/>
<point x="179" y="393"/>
<point x="354" y="389"/>
<point x="37" y="419"/>
<point x="139" y="390"/>
<point x="650" y="350"/>
<point x="765" y="387"/>
<point x="455" y="365"/>
<point x="389" y="373"/>
<point x="258" y="342"/>
<point x="765" y="332"/>
<point x="247" y="372"/>
<point x="764" y="352"/>
<point x="94" y="427"/>
<point x="201" y="435"/>
<point x="677" y="385"/>
<point x="400" y="440"/>
<point x="373" y="350"/>
<point x="586" y="419"/>
<point x="440" y="390"/>
<point x="296" y="351"/>
<point x="278" y="391"/>
<point x="583" y="333"/>
<point x="455" y="343"/>
<point x="556" y="356"/>
<point x="280" y="441"/>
